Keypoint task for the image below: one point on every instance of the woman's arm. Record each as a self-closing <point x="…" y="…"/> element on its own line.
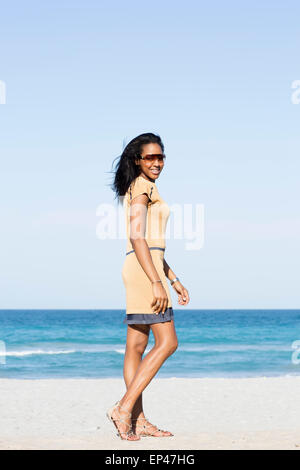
<point x="138" y="217"/>
<point x="138" y="220"/>
<point x="168" y="271"/>
<point x="183" y="295"/>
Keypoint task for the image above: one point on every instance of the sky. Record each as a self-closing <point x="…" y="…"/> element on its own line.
<point x="215" y="81"/>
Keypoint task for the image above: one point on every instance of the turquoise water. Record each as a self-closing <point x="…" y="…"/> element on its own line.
<point x="91" y="343"/>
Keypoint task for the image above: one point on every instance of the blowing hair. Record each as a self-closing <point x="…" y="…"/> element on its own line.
<point x="126" y="170"/>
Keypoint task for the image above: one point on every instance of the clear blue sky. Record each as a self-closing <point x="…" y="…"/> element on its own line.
<point x="214" y="80"/>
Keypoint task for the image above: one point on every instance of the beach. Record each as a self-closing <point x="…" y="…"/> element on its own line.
<point x="202" y="413"/>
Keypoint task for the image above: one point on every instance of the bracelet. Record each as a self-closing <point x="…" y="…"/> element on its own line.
<point x="156" y="281"/>
<point x="174" y="280"/>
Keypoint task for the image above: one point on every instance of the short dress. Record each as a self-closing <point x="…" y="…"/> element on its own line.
<point x="139" y="294"/>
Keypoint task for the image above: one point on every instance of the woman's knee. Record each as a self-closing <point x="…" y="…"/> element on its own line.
<point x="168" y="347"/>
<point x="165" y="337"/>
<point x="137" y="347"/>
<point x="173" y="346"/>
<point x="137" y="338"/>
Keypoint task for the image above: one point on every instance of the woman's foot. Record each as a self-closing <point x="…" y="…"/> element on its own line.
<point x="122" y="420"/>
<point x="143" y="427"/>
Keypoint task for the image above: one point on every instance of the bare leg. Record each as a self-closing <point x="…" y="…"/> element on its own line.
<point x="136" y="343"/>
<point x="165" y="344"/>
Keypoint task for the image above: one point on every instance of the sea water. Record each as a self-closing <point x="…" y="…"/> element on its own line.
<point x="38" y="344"/>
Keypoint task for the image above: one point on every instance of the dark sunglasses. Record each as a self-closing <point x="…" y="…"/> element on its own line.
<point x="151" y="158"/>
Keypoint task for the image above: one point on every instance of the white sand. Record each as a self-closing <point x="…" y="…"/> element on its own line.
<point x="214" y="413"/>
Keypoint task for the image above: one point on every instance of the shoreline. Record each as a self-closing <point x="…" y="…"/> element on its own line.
<point x="188" y="377"/>
<point x="203" y="413"/>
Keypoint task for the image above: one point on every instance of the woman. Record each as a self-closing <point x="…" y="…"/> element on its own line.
<point x="145" y="273"/>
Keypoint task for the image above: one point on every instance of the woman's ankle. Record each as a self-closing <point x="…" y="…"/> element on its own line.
<point x="137" y="417"/>
<point x="125" y="407"/>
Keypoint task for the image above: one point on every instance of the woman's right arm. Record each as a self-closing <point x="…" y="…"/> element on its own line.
<point x="138" y="220"/>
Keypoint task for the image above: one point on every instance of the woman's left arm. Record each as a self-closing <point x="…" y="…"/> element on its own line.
<point x="183" y="295"/>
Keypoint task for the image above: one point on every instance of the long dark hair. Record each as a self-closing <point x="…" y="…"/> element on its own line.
<point x="126" y="170"/>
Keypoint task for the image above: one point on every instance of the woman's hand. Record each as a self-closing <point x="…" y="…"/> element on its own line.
<point x="183" y="295"/>
<point x="160" y="298"/>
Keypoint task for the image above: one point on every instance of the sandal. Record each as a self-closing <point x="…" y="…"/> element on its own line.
<point x="129" y="434"/>
<point x="145" y="429"/>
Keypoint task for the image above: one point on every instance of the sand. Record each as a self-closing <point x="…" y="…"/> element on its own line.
<point x="202" y="413"/>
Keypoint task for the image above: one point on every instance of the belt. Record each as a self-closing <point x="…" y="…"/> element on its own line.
<point x="150" y="248"/>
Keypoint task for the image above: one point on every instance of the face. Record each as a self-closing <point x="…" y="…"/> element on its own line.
<point x="153" y="169"/>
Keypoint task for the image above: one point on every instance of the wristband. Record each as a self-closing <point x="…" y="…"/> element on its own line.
<point x="174" y="280"/>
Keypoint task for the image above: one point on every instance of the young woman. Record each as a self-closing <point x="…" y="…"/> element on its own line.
<point x="145" y="273"/>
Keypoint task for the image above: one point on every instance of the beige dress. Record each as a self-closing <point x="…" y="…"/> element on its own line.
<point x="139" y="295"/>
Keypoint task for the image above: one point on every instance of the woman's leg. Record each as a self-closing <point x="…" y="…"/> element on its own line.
<point x="166" y="344"/>
<point x="136" y="343"/>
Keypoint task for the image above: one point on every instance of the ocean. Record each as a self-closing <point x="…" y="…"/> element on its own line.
<point x="39" y="344"/>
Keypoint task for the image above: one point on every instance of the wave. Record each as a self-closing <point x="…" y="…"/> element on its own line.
<point x="237" y="347"/>
<point x="121" y="350"/>
<point x="35" y="351"/>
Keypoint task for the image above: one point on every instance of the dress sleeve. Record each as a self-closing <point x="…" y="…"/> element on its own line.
<point x="142" y="186"/>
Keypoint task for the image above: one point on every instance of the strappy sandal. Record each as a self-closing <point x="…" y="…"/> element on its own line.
<point x="129" y="433"/>
<point x="146" y="432"/>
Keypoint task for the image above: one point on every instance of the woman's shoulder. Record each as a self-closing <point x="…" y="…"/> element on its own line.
<point x="141" y="185"/>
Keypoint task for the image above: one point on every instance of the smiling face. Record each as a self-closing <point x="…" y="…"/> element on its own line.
<point x="150" y="170"/>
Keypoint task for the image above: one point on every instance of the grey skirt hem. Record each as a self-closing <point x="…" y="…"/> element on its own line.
<point x="148" y="318"/>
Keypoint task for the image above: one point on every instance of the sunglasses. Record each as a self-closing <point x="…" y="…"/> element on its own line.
<point x="151" y="158"/>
